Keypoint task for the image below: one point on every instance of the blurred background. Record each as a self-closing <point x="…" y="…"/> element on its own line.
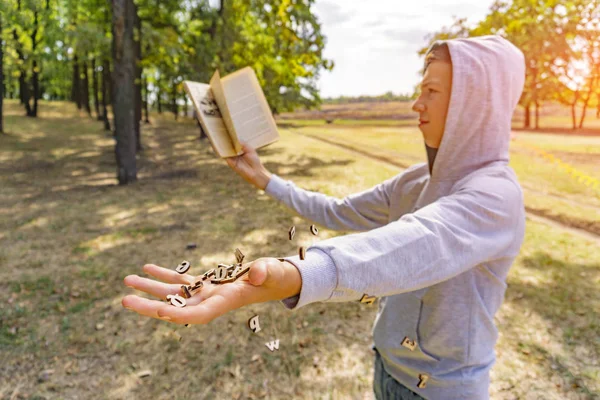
<point x="103" y="168"/>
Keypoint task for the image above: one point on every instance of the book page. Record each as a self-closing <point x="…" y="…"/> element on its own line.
<point x="218" y="91"/>
<point x="248" y="108"/>
<point x="210" y="117"/>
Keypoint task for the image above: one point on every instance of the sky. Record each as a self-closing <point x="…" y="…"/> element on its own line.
<point x="374" y="43"/>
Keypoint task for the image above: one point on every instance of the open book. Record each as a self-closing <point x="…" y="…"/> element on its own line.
<point x="233" y="109"/>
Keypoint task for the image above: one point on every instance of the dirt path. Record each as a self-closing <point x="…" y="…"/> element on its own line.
<point x="389" y="161"/>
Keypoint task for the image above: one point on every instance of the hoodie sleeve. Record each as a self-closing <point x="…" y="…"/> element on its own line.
<point x="439" y="241"/>
<point x="358" y="212"/>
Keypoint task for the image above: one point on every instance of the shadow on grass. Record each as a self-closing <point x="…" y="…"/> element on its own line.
<point x="77" y="242"/>
<point x="569" y="303"/>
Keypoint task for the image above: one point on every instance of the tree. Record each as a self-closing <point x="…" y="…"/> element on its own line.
<point x="54" y="46"/>
<point x="541" y="29"/>
<point x="95" y="89"/>
<point x="1" y="72"/>
<point x="282" y="41"/>
<point x="137" y="37"/>
<point x="123" y="89"/>
<point x="588" y="33"/>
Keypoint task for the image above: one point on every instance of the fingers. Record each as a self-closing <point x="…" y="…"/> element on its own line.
<point x="211" y="302"/>
<point x="168" y="275"/>
<point x="247" y="148"/>
<point x="214" y="306"/>
<point x="150" y="286"/>
<point x="147" y="307"/>
<point x="155" y="308"/>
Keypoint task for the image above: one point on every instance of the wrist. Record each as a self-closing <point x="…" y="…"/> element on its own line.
<point x="292" y="279"/>
<point x="262" y="179"/>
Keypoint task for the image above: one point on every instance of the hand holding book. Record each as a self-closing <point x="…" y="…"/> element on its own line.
<point x="249" y="167"/>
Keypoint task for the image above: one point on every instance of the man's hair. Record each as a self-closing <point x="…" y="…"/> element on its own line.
<point x="437" y="52"/>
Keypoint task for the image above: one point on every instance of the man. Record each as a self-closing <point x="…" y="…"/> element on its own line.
<point x="435" y="242"/>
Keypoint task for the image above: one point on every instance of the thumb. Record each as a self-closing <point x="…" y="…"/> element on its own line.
<point x="246" y="147"/>
<point x="259" y="273"/>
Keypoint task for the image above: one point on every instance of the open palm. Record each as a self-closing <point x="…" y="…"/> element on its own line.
<point x="268" y="279"/>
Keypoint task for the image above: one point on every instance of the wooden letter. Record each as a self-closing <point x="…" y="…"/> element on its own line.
<point x="368" y="299"/>
<point x="221" y="273"/>
<point x="239" y="256"/>
<point x="409" y="344"/>
<point x="183" y="267"/>
<point x="253" y="324"/>
<point x="186" y="291"/>
<point x="176" y="300"/>
<point x="423" y="378"/>
<point x="302" y="252"/>
<point x="208" y="274"/>
<point x="273" y="345"/>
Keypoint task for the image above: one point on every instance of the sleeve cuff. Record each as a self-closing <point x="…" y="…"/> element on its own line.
<point x="319" y="278"/>
<point x="276" y="187"/>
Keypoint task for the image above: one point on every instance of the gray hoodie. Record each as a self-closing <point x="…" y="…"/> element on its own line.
<point x="434" y="248"/>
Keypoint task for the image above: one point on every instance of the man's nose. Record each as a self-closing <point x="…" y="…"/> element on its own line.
<point x="418" y="107"/>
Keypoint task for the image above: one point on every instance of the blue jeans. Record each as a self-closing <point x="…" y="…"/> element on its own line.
<point x="386" y="387"/>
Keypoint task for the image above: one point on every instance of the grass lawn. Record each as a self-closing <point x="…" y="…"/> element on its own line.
<point x="69" y="234"/>
<point x="550" y="189"/>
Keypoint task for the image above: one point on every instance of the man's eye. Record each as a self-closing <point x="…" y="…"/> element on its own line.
<point x="431" y="90"/>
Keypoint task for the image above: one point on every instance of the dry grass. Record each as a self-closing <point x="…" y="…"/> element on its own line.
<point x="392" y="110"/>
<point x="554" y="118"/>
<point x="550" y="190"/>
<point x="68" y="236"/>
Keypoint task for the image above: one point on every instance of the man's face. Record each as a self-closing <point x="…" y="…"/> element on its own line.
<point x="432" y="103"/>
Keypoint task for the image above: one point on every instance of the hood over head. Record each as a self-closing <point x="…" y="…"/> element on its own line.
<point x="488" y="74"/>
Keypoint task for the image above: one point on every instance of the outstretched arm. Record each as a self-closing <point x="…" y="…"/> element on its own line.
<point x="357" y="212"/>
<point x="481" y="222"/>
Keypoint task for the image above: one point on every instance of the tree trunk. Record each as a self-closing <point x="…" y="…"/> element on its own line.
<point x="573" y="115"/>
<point x="213" y="31"/>
<point x="123" y="89"/>
<point x="76" y="87"/>
<point x="202" y="133"/>
<point x="36" y="88"/>
<point x="36" y="73"/>
<point x="1" y="80"/>
<point x="145" y="87"/>
<point x="23" y="92"/>
<point x="32" y="111"/>
<point x="158" y="98"/>
<point x="137" y="37"/>
<point x="527" y="123"/>
<point x="85" y="93"/>
<point x="537" y="115"/>
<point x="22" y="84"/>
<point x="95" y="89"/>
<point x="105" y="99"/>
<point x="174" y="100"/>
<point x="587" y="101"/>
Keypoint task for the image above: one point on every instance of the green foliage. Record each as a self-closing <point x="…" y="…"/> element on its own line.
<point x="180" y="40"/>
<point x="282" y="41"/>
<point x="388" y="96"/>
